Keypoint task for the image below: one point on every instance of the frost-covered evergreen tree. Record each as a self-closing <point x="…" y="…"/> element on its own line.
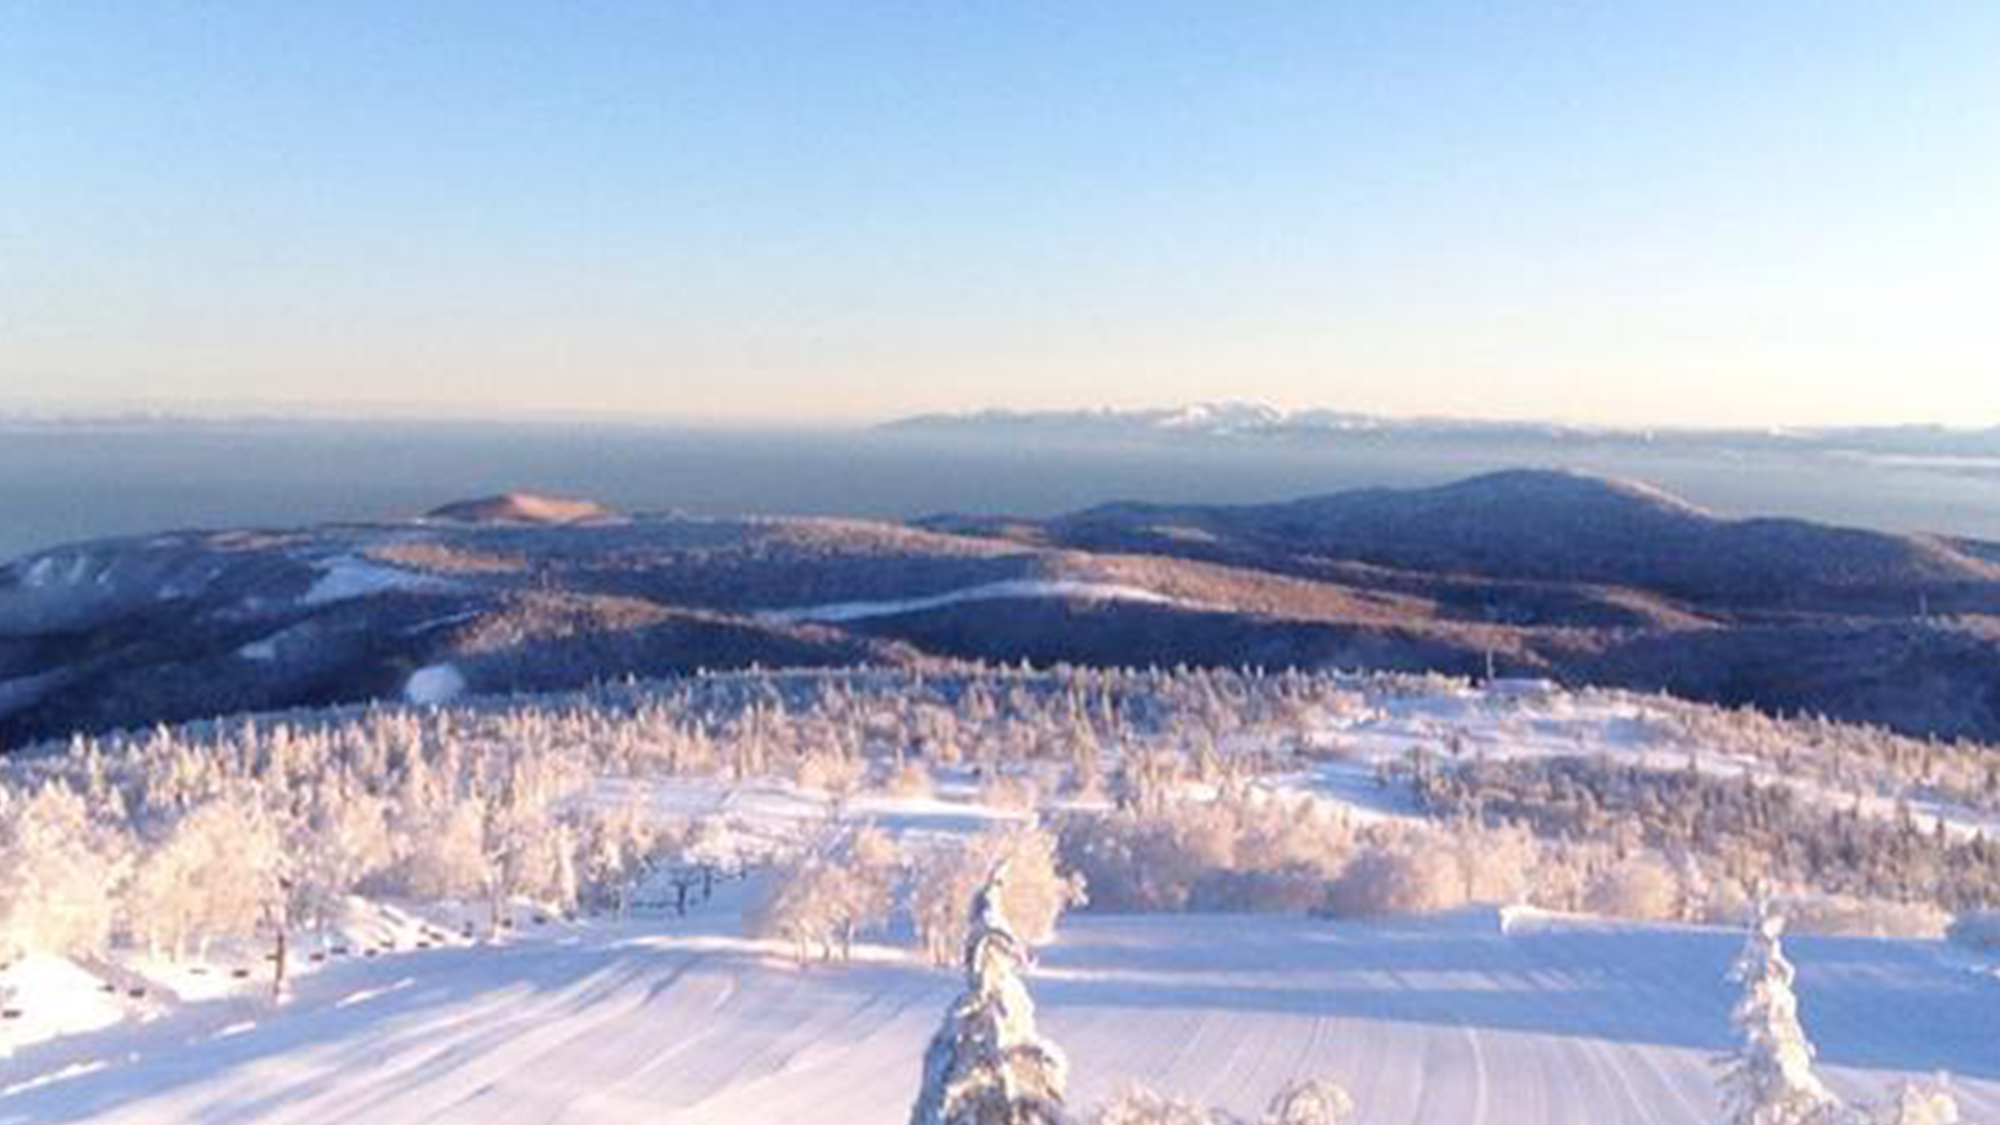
<point x="1314" y="1101"/>
<point x="827" y="895"/>
<point x="214" y="875"/>
<point x="1919" y="1104"/>
<point x="987" y="1065"/>
<point x="872" y="861"/>
<point x="1137" y="1105"/>
<point x="1770" y="1079"/>
<point x="57" y="874"/>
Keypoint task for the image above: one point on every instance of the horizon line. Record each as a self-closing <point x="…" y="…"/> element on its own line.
<point x="90" y="411"/>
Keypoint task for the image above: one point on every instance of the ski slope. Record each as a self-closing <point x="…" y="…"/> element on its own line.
<point x="1474" y="1018"/>
<point x="1447" y="1021"/>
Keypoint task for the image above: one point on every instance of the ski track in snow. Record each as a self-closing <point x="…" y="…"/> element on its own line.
<point x="1425" y="1022"/>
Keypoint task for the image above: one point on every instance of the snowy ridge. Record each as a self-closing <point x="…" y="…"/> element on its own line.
<point x="1230" y="419"/>
<point x="1249" y="419"/>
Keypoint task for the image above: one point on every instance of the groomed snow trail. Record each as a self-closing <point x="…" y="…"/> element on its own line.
<point x="1429" y="1022"/>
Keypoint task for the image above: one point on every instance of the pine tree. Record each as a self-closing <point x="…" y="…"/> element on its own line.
<point x="987" y="1065"/>
<point x="1311" y="1102"/>
<point x="58" y="870"/>
<point x="1919" y="1104"/>
<point x="1770" y="1080"/>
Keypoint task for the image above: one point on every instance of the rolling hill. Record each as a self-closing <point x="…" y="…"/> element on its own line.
<point x="1552" y="574"/>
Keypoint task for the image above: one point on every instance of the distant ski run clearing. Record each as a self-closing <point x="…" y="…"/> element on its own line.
<point x="1012" y="589"/>
<point x="347" y="577"/>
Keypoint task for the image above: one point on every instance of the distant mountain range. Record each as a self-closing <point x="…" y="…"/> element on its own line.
<point x="1578" y="578"/>
<point x="1237" y="419"/>
<point x="1544" y="526"/>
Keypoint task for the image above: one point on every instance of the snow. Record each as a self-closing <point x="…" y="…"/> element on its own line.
<point x="57" y="570"/>
<point x="442" y="621"/>
<point x="347" y="577"/>
<point x="1514" y="1017"/>
<point x="1440" y="1021"/>
<point x="433" y="684"/>
<point x="50" y="997"/>
<point x="990" y="591"/>
<point x="1520" y="719"/>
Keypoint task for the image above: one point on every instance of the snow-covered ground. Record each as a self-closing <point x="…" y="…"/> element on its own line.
<point x="1534" y="719"/>
<point x="1464" y="1018"/>
<point x="1470" y="1018"/>
<point x="434" y="684"/>
<point x="1442" y="1020"/>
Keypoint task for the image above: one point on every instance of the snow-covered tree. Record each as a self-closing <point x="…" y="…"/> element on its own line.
<point x="1314" y="1101"/>
<point x="872" y="863"/>
<point x="1770" y="1079"/>
<point x="531" y="855"/>
<point x="215" y="875"/>
<point x="1919" y="1104"/>
<point x="616" y="848"/>
<point x="1402" y="874"/>
<point x="1642" y="887"/>
<point x="1138" y="1105"/>
<point x="825" y="897"/>
<point x="1037" y="890"/>
<point x="341" y="839"/>
<point x="801" y="904"/>
<point x="446" y="856"/>
<point x="987" y="1065"/>
<point x="57" y="874"/>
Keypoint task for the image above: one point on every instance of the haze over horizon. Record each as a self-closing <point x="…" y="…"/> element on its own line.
<point x="1699" y="216"/>
<point x="171" y="411"/>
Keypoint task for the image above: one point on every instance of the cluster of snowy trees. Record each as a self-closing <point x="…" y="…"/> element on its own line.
<point x="823" y="898"/>
<point x="172" y="838"/>
<point x="1251" y="850"/>
<point x="1310" y="1102"/>
<point x="1726" y="833"/>
<point x="172" y="841"/>
<point x="846" y="882"/>
<point x="58" y="870"/>
<point x="988" y="1064"/>
<point x="1845" y="757"/>
<point x="1259" y="852"/>
<point x="1240" y="851"/>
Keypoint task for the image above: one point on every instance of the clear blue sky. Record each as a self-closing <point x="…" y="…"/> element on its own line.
<point x="1705" y="211"/>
